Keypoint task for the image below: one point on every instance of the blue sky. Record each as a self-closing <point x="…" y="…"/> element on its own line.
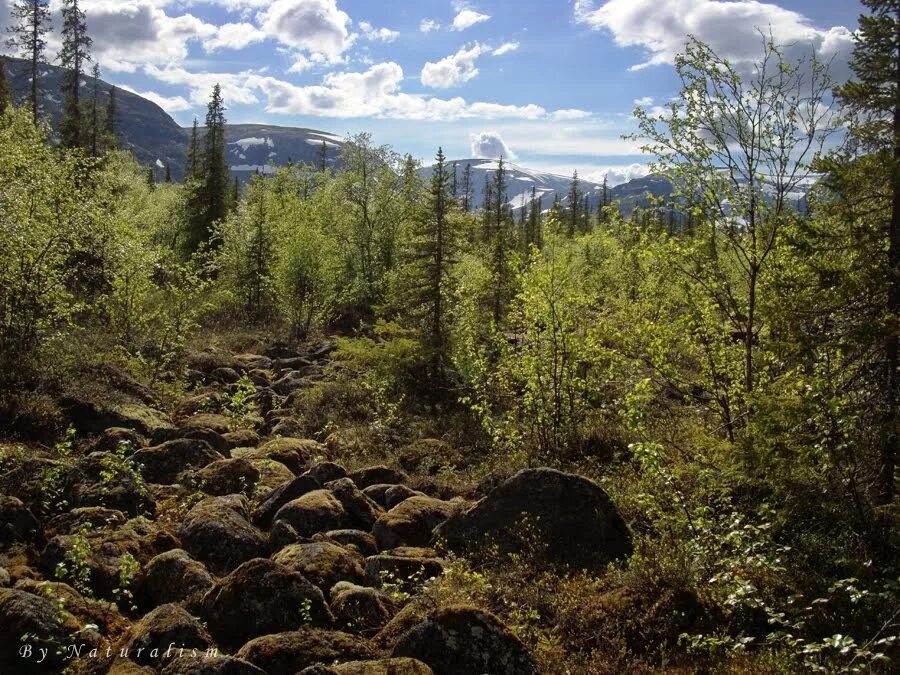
<point x="551" y="83"/>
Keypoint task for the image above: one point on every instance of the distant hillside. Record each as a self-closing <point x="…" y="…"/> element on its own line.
<point x="158" y="140"/>
<point x="520" y="181"/>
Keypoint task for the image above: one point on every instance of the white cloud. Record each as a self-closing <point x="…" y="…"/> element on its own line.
<point x="569" y="114"/>
<point x="171" y="104"/>
<point x="453" y="70"/>
<point x="730" y="28"/>
<point x="616" y="175"/>
<point x="505" y="48"/>
<point x="378" y="34"/>
<point x="466" y="18"/>
<point x="128" y="33"/>
<point x="237" y="88"/>
<point x="644" y="101"/>
<point x="234" y="36"/>
<point x="428" y="25"/>
<point x="490" y="145"/>
<point x="315" y="26"/>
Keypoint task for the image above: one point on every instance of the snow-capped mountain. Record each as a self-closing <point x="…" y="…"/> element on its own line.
<point x="521" y="180"/>
<point x="158" y="141"/>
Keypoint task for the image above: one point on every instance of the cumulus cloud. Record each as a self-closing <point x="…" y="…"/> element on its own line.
<point x="428" y="25"/>
<point x="616" y="175"/>
<point x="378" y="34"/>
<point x="466" y="18"/>
<point x="453" y="70"/>
<point x="171" y="104"/>
<point x="234" y="36"/>
<point x="315" y="26"/>
<point x="490" y="145"/>
<point x="132" y="32"/>
<point x="644" y="101"/>
<point x="730" y="28"/>
<point x="505" y="48"/>
<point x="569" y="114"/>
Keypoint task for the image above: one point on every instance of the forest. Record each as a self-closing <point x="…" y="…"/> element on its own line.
<point x="723" y="365"/>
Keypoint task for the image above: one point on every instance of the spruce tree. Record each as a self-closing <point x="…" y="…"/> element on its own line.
<point x="168" y="178"/>
<point x="574" y="206"/>
<point x="467" y="188"/>
<point x="31" y="23"/>
<point x="216" y="177"/>
<point x="151" y="177"/>
<point x="534" y="219"/>
<point x="487" y="208"/>
<point x="235" y="194"/>
<point x="5" y="93"/>
<point x="111" y="128"/>
<point x="500" y="246"/>
<point x="433" y="252"/>
<point x="454" y="187"/>
<point x="75" y="53"/>
<point x="323" y="157"/>
<point x="192" y="165"/>
<point x="874" y="94"/>
<point x="95" y="111"/>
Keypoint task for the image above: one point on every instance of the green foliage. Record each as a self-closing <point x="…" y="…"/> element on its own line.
<point x="75" y="569"/>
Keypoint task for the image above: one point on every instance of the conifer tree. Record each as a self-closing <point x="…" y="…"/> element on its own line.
<point x="168" y="178"/>
<point x="467" y="188"/>
<point x="574" y="206"/>
<point x="235" y="194"/>
<point x="110" y="119"/>
<point x="487" y="208"/>
<point x="534" y="219"/>
<point x="151" y="177"/>
<point x="215" y="164"/>
<point x="433" y="253"/>
<point x="5" y="93"/>
<point x="75" y="53"/>
<point x="95" y="111"/>
<point x="454" y="187"/>
<point x="323" y="157"/>
<point x="31" y="23"/>
<point x="500" y="246"/>
<point x="192" y="165"/>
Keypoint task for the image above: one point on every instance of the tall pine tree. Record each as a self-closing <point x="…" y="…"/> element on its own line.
<point x="110" y="120"/>
<point x="95" y="112"/>
<point x="31" y="23"/>
<point x="5" y="93"/>
<point x="467" y="188"/>
<point x="75" y="53"/>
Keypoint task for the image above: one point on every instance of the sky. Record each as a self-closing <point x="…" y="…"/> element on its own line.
<point x="550" y="84"/>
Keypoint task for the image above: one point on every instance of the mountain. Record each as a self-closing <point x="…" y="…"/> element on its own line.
<point x="144" y="128"/>
<point x="157" y="140"/>
<point x="521" y="180"/>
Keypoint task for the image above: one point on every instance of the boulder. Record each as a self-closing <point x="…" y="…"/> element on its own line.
<point x="360" y="610"/>
<point x="90" y="516"/>
<point x="227" y="476"/>
<point x="209" y="401"/>
<point x="288" y="653"/>
<point x="110" y="481"/>
<point x="214" y="438"/>
<point x="206" y="420"/>
<point x="287" y="427"/>
<point x="27" y="619"/>
<point x="401" y="666"/>
<point x="571" y="516"/>
<point x="173" y="576"/>
<point x="361" y="509"/>
<point x="201" y="664"/>
<point x="148" y="641"/>
<point x="357" y="540"/>
<point x="261" y="597"/>
<point x="291" y="382"/>
<point x="287" y="492"/>
<point x="325" y="472"/>
<point x="411" y="522"/>
<point x="409" y="571"/>
<point x="89" y="417"/>
<point x="295" y="453"/>
<point x="217" y="531"/>
<point x="323" y="563"/>
<point x="225" y="375"/>
<point x="272" y="474"/>
<point x="398" y="493"/>
<point x="316" y="511"/>
<point x="466" y="640"/>
<point x="110" y="440"/>
<point x="162" y="463"/>
<point x="242" y="438"/>
<point x="377" y="474"/>
<point x="18" y="523"/>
